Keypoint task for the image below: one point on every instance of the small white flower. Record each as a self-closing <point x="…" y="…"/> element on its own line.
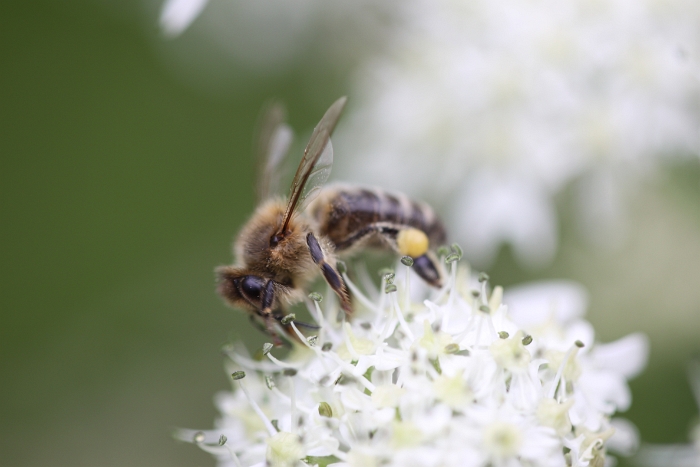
<point x="452" y="380"/>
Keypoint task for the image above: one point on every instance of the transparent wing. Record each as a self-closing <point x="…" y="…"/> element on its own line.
<point x="272" y="145"/>
<point x="315" y="166"/>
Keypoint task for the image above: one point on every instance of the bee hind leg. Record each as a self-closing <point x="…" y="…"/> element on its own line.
<point x="426" y="267"/>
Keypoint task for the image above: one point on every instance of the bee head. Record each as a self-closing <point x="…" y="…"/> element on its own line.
<point x="239" y="287"/>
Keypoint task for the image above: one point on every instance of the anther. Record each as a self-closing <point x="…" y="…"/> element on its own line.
<point x="407" y="261"/>
<point x="385" y="272"/>
<point x="527" y="340"/>
<point x="483" y="277"/>
<point x="579" y="344"/>
<point x="451" y="258"/>
<point x="288" y="319"/>
<point x="289" y="372"/>
<point x="485" y="309"/>
<point x="236" y="375"/>
<point x="451" y="348"/>
<point x="475" y="293"/>
<point x="222" y="440"/>
<point x="457" y="249"/>
<point x="199" y="437"/>
<point x="503" y="334"/>
<point x="316" y="297"/>
<point x="327" y="346"/>
<point x="325" y="410"/>
<point x="312" y="340"/>
<point x="276" y="424"/>
<point x="390" y="288"/>
<point x="341" y="267"/>
<point x="267" y="347"/>
<point x="269" y="382"/>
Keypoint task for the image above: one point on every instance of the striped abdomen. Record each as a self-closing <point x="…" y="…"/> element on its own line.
<point x="352" y="216"/>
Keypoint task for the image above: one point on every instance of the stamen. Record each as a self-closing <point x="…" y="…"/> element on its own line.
<point x="293" y="397"/>
<point x="222" y="442"/>
<point x="408" y="262"/>
<point x="280" y="363"/>
<point x="402" y="321"/>
<point x="557" y="378"/>
<point x="256" y="408"/>
<point x="359" y="295"/>
<point x="346" y="367"/>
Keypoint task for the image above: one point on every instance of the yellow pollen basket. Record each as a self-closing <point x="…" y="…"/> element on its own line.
<point x="412" y="242"/>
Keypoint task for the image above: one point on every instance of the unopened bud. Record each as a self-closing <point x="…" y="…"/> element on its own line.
<point x="325" y="410"/>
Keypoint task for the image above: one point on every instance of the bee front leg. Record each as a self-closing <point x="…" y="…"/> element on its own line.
<point x="267" y="298"/>
<point x="329" y="273"/>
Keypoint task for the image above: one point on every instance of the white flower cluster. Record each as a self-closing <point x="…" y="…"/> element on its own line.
<point x="507" y="103"/>
<point x="460" y="379"/>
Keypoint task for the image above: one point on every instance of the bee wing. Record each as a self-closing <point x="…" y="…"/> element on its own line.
<point x="272" y="145"/>
<point x="315" y="166"/>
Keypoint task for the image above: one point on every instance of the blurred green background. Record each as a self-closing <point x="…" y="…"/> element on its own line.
<point x="122" y="188"/>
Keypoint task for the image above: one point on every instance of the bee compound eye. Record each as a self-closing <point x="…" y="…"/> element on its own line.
<point x="252" y="286"/>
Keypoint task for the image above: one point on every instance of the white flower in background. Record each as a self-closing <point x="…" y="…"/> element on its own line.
<point x="177" y="15"/>
<point x="466" y="377"/>
<point x="491" y="106"/>
<point x="497" y="106"/>
<point x="676" y="455"/>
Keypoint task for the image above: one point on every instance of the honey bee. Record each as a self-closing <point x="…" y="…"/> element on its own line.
<point x="288" y="242"/>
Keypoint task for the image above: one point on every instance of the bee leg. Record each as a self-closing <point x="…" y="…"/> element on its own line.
<point x="267" y="298"/>
<point x="306" y="325"/>
<point x="426" y="267"/>
<point x="329" y="273"/>
<point x="409" y="241"/>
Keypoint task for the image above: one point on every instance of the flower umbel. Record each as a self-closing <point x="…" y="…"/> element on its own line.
<point x="452" y="380"/>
